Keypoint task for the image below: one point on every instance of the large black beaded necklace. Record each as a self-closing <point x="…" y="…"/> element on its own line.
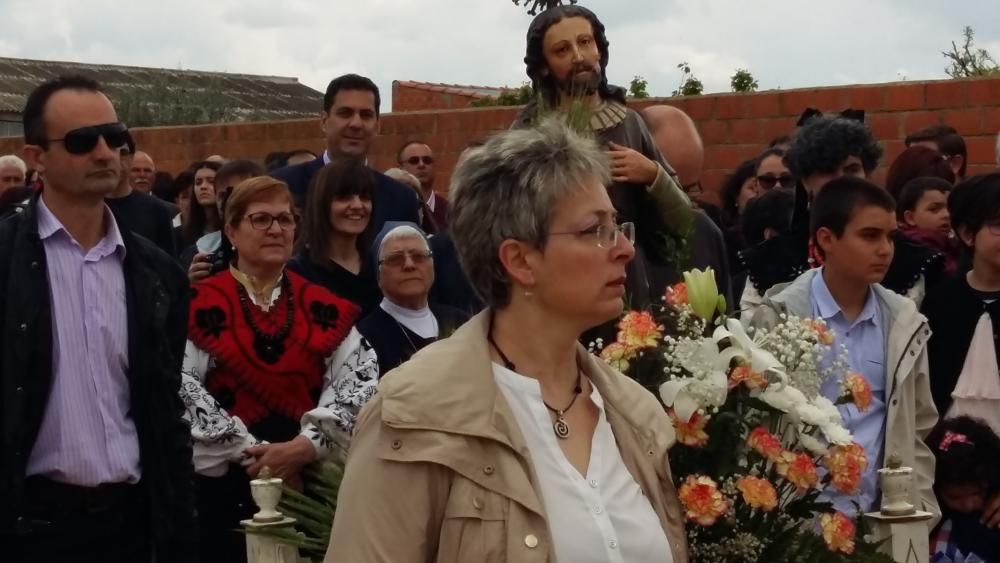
<point x="269" y="347"/>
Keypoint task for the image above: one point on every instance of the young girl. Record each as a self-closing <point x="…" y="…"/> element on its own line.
<point x="966" y="479"/>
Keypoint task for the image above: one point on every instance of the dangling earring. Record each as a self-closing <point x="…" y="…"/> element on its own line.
<point x="529" y="294"/>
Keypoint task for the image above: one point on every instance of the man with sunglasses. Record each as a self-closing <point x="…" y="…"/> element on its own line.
<point x="417" y="158"/>
<point x="350" y="120"/>
<point x="140" y="212"/>
<point x="96" y="462"/>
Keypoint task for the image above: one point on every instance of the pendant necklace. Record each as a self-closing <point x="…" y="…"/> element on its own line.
<point x="560" y="426"/>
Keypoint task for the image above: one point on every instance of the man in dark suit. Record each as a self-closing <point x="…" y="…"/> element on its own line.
<point x="350" y="121"/>
<point x="417" y="158"/>
<point x="96" y="462"/>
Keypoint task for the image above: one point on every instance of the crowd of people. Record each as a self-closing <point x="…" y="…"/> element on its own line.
<point x="166" y="338"/>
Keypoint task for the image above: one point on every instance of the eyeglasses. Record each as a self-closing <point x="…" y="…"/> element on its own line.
<point x="768" y="181"/>
<point x="262" y="221"/>
<point x="415" y="160"/>
<point x="398" y="259"/>
<point x="84" y="139"/>
<point x="606" y="235"/>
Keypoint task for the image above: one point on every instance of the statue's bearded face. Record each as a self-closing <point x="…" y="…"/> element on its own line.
<point x="572" y="56"/>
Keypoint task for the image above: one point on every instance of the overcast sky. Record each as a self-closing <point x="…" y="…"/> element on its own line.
<point x="784" y="43"/>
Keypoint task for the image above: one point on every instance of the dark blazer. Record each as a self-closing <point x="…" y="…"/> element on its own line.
<point x="440" y="212"/>
<point x="157" y="302"/>
<point x="392" y="202"/>
<point x="953" y="310"/>
<point x="451" y="286"/>
<point x="395" y="344"/>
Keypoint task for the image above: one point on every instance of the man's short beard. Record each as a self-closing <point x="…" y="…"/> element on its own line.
<point x="575" y="85"/>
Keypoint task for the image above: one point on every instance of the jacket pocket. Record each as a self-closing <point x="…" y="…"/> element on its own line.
<point x="474" y="526"/>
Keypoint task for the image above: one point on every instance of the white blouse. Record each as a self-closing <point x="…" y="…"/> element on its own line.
<point x="977" y="392"/>
<point x="600" y="518"/>
<point x="349" y="381"/>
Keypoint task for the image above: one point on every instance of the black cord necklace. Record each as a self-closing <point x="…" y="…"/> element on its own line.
<point x="560" y="426"/>
<point x="269" y="347"/>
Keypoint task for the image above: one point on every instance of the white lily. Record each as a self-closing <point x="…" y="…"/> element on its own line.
<point x="837" y="434"/>
<point x="708" y="388"/>
<point x="785" y="398"/>
<point x="744" y="347"/>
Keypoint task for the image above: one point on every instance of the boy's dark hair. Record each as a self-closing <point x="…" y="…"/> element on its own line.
<point x="975" y="202"/>
<point x="233" y="168"/>
<point x="33" y="117"/>
<point x="915" y="162"/>
<point x="770" y="210"/>
<point x="275" y="160"/>
<point x="825" y="142"/>
<point x="949" y="142"/>
<point x="343" y="177"/>
<point x="350" y="82"/>
<point x="967" y="452"/>
<point x="836" y="203"/>
<point x="915" y="189"/>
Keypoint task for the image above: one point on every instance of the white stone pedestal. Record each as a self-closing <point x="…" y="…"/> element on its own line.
<point x="262" y="549"/>
<point x="908" y="535"/>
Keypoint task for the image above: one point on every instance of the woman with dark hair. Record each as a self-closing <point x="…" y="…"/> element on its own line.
<point x="333" y="249"/>
<point x="739" y="187"/>
<point x="203" y="214"/>
<point x="917" y="162"/>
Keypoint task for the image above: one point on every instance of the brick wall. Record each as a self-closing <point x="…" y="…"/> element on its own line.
<point x="734" y="126"/>
<point x="409" y="98"/>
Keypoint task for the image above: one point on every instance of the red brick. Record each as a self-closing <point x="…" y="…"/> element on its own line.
<point x="700" y="107"/>
<point x="878" y="176"/>
<point x="892" y="151"/>
<point x="967" y="121"/>
<point x="905" y="96"/>
<point x="765" y="104"/>
<point x="947" y="94"/>
<point x="778" y="127"/>
<point x="796" y="101"/>
<point x="731" y="106"/>
<point x="711" y="182"/>
<point x="991" y="120"/>
<point x="884" y="125"/>
<point x="984" y="92"/>
<point x="980" y="169"/>
<point x="714" y="131"/>
<point x="982" y="150"/>
<point x="914" y="120"/>
<point x="868" y="98"/>
<point x="744" y="131"/>
<point x="831" y="99"/>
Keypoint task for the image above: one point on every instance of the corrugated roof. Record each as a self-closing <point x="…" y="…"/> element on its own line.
<point x="253" y="96"/>
<point x="459" y="89"/>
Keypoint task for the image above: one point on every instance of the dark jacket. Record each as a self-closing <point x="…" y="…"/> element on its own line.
<point x="953" y="310"/>
<point x="392" y="202"/>
<point x="395" y="344"/>
<point x="157" y="302"/>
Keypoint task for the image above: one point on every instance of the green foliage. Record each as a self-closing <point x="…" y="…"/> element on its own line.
<point x="743" y="81"/>
<point x="163" y="103"/>
<point x="535" y="6"/>
<point x="690" y="85"/>
<point x="637" y="88"/>
<point x="516" y="97"/>
<point x="969" y="61"/>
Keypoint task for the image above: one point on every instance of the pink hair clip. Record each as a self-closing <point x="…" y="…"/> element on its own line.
<point x="953" y="438"/>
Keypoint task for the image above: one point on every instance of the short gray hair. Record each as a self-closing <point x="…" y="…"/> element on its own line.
<point x="15" y="161"/>
<point x="508" y="188"/>
<point x="402" y="176"/>
<point x="402" y="232"/>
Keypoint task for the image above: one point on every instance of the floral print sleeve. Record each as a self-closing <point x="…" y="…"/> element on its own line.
<point x="219" y="438"/>
<point x="350" y="381"/>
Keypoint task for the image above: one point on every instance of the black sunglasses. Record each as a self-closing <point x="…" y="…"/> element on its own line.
<point x="84" y="139"/>
<point x="768" y="182"/>
<point x="415" y="160"/>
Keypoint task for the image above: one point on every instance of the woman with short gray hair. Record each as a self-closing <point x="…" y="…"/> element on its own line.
<point x="508" y="441"/>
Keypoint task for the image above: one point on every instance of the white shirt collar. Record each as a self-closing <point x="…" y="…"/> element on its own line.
<point x="422" y="321"/>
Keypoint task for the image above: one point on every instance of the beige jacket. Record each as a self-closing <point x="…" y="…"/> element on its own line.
<point x="911" y="411"/>
<point x="439" y="471"/>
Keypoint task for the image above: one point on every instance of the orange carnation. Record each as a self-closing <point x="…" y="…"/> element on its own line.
<point x="676" y="295"/>
<point x="838" y="532"/>
<point x="758" y="493"/>
<point x="799" y="469"/>
<point x="692" y="432"/>
<point x="702" y="501"/>
<point x="859" y="389"/>
<point x="618" y="355"/>
<point x="846" y="463"/>
<point x="754" y="381"/>
<point x="823" y="334"/>
<point x="765" y="443"/>
<point x="638" y="329"/>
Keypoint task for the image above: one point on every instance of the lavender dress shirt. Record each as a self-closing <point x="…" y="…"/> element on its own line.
<point x="87" y="436"/>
